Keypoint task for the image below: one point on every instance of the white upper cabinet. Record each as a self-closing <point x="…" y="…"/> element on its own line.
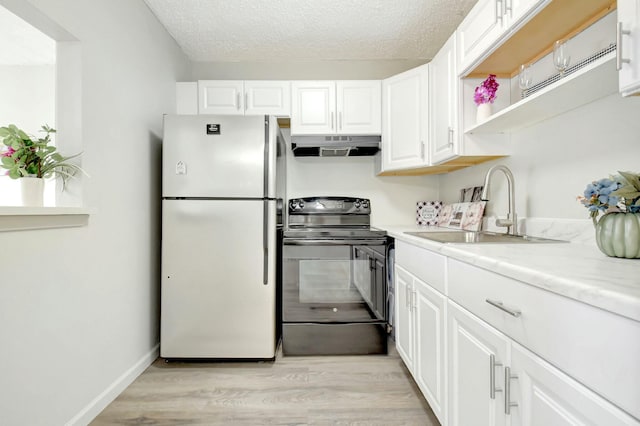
<point x="405" y="118"/>
<point x="330" y="107"/>
<point x="487" y="22"/>
<point x="443" y="95"/>
<point x="233" y="97"/>
<point x="479" y="29"/>
<point x="628" y="47"/>
<point x="267" y="97"/>
<point x="359" y="105"/>
<point x="221" y="97"/>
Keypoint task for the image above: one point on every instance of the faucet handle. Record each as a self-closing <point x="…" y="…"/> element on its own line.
<point x="504" y="222"/>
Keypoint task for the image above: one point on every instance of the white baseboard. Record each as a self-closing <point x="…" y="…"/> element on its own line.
<point x="99" y="403"/>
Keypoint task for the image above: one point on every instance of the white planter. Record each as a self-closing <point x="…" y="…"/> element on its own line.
<point x="483" y="112"/>
<point x="32" y="191"/>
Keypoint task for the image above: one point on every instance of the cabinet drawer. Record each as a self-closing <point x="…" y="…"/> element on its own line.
<point x="424" y="264"/>
<point x="596" y="347"/>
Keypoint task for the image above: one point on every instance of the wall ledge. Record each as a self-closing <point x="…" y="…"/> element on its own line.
<point x="29" y="218"/>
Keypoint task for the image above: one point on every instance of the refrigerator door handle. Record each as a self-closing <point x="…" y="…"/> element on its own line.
<point x="265" y="242"/>
<point x="266" y="159"/>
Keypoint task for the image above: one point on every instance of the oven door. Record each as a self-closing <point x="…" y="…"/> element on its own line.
<point x="334" y="281"/>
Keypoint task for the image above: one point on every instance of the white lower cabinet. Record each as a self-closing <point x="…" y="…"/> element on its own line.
<point x="542" y="395"/>
<point x="489" y="350"/>
<point x="420" y="336"/>
<point x="477" y="356"/>
<point x="404" y="315"/>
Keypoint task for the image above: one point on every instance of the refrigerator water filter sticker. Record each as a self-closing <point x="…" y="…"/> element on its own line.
<point x="181" y="168"/>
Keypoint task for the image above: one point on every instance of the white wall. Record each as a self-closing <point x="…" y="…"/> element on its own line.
<point x="301" y="70"/>
<point x="393" y="198"/>
<point x="79" y="307"/>
<point x="27" y="99"/>
<point x="553" y="161"/>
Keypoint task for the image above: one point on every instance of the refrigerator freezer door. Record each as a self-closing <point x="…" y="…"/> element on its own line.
<point x="215" y="303"/>
<point x="214" y="156"/>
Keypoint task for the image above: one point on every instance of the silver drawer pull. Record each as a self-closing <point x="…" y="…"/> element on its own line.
<point x="513" y="312"/>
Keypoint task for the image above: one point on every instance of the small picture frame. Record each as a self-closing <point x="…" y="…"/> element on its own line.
<point x="427" y="212"/>
<point x="471" y="194"/>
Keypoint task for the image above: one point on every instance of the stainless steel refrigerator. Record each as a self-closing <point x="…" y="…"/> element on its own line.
<point x="222" y="194"/>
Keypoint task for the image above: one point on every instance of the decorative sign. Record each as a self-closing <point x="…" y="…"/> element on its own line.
<point x="467" y="216"/>
<point x="427" y="212"/>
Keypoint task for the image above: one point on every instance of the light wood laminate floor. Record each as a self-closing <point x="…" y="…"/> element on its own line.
<point x="318" y="390"/>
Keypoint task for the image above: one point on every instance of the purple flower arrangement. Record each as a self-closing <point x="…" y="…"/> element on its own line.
<point x="486" y="92"/>
<point x="619" y="193"/>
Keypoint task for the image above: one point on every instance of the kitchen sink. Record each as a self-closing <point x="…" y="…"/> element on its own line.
<point x="481" y="237"/>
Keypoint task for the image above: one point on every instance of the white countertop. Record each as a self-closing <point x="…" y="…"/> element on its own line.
<point x="577" y="271"/>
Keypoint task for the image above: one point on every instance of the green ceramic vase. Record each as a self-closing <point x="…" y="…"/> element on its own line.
<point x="618" y="235"/>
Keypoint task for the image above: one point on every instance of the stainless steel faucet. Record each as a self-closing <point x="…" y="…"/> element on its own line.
<point x="511" y="223"/>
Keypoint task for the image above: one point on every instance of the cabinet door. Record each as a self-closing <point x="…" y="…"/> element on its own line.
<point x="404" y="316"/>
<point x="478" y="31"/>
<point x="629" y="46"/>
<point x="313" y="107"/>
<point x="542" y="395"/>
<point x="267" y="98"/>
<point x="516" y="11"/>
<point x="473" y="345"/>
<point x="223" y="97"/>
<point x="405" y="119"/>
<point x="429" y="366"/>
<point x="443" y="95"/>
<point x="359" y="106"/>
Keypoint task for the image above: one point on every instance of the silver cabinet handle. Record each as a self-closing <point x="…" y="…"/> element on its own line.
<point x="499" y="12"/>
<point x="238" y="101"/>
<point x="513" y="312"/>
<point x="422" y="149"/>
<point x="331" y="120"/>
<point x="407" y="298"/>
<point x="507" y="390"/>
<point x="619" y="59"/>
<point x="413" y="300"/>
<point x="246" y="101"/>
<point x="340" y="120"/>
<point x="492" y="376"/>
<point x="508" y="7"/>
<point x="450" y="136"/>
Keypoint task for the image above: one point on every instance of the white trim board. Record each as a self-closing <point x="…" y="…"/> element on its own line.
<point x="100" y="402"/>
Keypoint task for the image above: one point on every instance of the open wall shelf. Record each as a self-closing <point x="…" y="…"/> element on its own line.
<point x="592" y="82"/>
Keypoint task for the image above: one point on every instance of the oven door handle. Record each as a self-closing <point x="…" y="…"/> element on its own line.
<point x="334" y="242"/>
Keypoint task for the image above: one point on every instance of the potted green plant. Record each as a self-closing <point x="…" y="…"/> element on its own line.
<point x="618" y="231"/>
<point x="32" y="160"/>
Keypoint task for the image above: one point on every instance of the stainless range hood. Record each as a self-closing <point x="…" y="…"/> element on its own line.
<point x="335" y="146"/>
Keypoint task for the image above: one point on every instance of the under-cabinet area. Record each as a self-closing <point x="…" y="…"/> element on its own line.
<point x="488" y="349"/>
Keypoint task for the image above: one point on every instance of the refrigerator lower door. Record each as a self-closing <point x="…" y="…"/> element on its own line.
<point x="218" y="298"/>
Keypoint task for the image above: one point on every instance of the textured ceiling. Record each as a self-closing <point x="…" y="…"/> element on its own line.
<point x="22" y="44"/>
<point x="293" y="30"/>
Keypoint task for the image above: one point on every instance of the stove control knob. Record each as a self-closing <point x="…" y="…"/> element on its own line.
<point x="356" y="204"/>
<point x="301" y="204"/>
<point x="292" y="205"/>
<point x="365" y="204"/>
